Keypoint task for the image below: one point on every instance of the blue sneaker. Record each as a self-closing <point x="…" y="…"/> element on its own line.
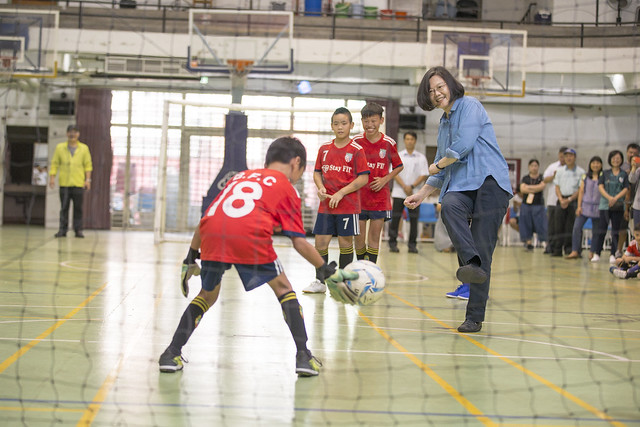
<point x="464" y="294"/>
<point x="462" y="289"/>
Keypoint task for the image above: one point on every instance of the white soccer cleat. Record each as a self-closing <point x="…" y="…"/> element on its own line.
<point x="316" y="287"/>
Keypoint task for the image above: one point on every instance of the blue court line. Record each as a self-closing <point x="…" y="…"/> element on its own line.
<point x="85" y="403"/>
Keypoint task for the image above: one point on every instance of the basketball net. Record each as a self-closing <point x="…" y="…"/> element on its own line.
<point x="7" y="67"/>
<point x="238" y="69"/>
<point x="475" y="86"/>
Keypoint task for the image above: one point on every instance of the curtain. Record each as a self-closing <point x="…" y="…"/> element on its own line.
<point x="94" y="122"/>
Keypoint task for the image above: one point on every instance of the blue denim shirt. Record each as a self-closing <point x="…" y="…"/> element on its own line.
<point x="468" y="135"/>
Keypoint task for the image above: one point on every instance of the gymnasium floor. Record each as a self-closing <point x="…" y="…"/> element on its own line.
<point x="83" y="322"/>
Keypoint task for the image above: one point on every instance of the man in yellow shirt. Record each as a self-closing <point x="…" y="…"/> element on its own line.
<point x="73" y="159"/>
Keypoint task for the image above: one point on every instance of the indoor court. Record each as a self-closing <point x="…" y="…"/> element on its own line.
<point x="173" y="98"/>
<point x="559" y="346"/>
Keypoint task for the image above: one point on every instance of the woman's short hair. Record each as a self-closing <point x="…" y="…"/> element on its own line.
<point x="455" y="87"/>
<point x="612" y="154"/>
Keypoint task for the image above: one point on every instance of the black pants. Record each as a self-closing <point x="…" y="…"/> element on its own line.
<point x="563" y="220"/>
<point x="485" y="208"/>
<point x="68" y="194"/>
<point x="396" y="216"/>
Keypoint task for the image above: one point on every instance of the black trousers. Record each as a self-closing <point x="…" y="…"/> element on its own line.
<point x="67" y="195"/>
<point x="396" y="216"/>
<point x="485" y="208"/>
<point x="563" y="220"/>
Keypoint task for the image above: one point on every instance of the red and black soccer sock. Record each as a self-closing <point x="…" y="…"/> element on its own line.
<point x="188" y="323"/>
<point x="372" y="254"/>
<point x="346" y="256"/>
<point x="292" y="312"/>
<point x="324" y="253"/>
<point x="361" y="253"/>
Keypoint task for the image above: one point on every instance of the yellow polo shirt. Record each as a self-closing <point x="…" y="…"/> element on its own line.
<point x="72" y="168"/>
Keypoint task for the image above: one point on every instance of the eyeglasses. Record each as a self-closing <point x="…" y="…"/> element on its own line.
<point x="438" y="88"/>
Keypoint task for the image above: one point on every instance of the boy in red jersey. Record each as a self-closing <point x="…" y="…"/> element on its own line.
<point x="375" y="197"/>
<point x="236" y="230"/>
<point x="340" y="171"/>
<point x="627" y="266"/>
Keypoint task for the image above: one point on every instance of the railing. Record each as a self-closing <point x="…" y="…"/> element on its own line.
<point x="174" y="18"/>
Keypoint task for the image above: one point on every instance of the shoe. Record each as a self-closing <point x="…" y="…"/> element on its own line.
<point x="470" y="326"/>
<point x="316" y="287"/>
<point x="394" y="248"/>
<point x="60" y="234"/>
<point x="618" y="272"/>
<point x="595" y="258"/>
<point x="307" y="365"/>
<point x="460" y="289"/>
<point x="170" y="362"/>
<point x="464" y="295"/>
<point x="618" y="254"/>
<point x="471" y="273"/>
<point x="529" y="247"/>
<point x="612" y="259"/>
<point x="572" y="255"/>
<point x="413" y="250"/>
<point x="79" y="235"/>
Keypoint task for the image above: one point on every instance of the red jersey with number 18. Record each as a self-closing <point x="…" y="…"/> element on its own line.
<point x="239" y="223"/>
<point x="339" y="167"/>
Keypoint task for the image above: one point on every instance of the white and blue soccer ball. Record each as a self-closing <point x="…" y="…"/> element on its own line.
<point x="370" y="283"/>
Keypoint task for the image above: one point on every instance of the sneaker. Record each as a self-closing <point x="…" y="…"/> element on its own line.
<point x="471" y="273"/>
<point x="307" y="365"/>
<point x="595" y="258"/>
<point x="464" y="295"/>
<point x="618" y="254"/>
<point x="618" y="272"/>
<point x="460" y="289"/>
<point x="612" y="259"/>
<point x="60" y="234"/>
<point x="470" y="326"/>
<point x="413" y="250"/>
<point x="393" y="248"/>
<point x="170" y="362"/>
<point x="529" y="247"/>
<point x="316" y="287"/>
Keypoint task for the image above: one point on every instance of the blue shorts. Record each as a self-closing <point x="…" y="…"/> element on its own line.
<point x="337" y="224"/>
<point x="365" y="215"/>
<point x="252" y="276"/>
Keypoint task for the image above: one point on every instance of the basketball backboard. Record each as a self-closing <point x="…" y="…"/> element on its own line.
<point x="219" y="39"/>
<point x="28" y="41"/>
<point x="488" y="62"/>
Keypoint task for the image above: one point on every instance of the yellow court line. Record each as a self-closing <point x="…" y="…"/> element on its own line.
<point x="96" y="403"/>
<point x="470" y="407"/>
<point x="15" y="356"/>
<point x="564" y="393"/>
<point x="21" y="409"/>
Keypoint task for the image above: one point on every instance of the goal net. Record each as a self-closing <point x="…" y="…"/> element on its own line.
<point x="192" y="152"/>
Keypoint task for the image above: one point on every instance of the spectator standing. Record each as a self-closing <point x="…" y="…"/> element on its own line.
<point x="414" y="174"/>
<point x="551" y="197"/>
<point x="532" y="218"/>
<point x="567" y="182"/>
<point x="613" y="186"/>
<point x="633" y="150"/>
<point x="588" y="202"/>
<point x="73" y="160"/>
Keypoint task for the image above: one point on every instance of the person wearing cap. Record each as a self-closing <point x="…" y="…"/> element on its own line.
<point x="72" y="160"/>
<point x="567" y="182"/>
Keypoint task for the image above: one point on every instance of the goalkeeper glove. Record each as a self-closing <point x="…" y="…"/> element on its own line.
<point x="189" y="268"/>
<point x="326" y="270"/>
<point x="339" y="290"/>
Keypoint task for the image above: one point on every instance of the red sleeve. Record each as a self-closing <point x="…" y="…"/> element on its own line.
<point x="360" y="162"/>
<point x="289" y="212"/>
<point x="396" y="161"/>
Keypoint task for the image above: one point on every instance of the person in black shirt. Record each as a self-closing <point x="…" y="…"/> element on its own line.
<point x="532" y="217"/>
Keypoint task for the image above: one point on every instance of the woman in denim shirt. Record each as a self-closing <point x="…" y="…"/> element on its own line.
<point x="588" y="201"/>
<point x="473" y="178"/>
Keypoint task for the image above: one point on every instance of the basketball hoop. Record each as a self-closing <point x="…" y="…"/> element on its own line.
<point x="240" y="67"/>
<point x="475" y="85"/>
<point x="7" y="65"/>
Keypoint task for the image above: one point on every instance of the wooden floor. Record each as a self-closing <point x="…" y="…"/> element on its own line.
<point x="83" y="322"/>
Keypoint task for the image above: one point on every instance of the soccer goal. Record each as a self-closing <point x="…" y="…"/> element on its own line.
<point x="203" y="145"/>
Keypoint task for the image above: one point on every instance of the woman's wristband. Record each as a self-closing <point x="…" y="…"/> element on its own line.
<point x="439" y="168"/>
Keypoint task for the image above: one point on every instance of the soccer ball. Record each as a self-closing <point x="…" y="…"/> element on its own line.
<point x="370" y="283"/>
